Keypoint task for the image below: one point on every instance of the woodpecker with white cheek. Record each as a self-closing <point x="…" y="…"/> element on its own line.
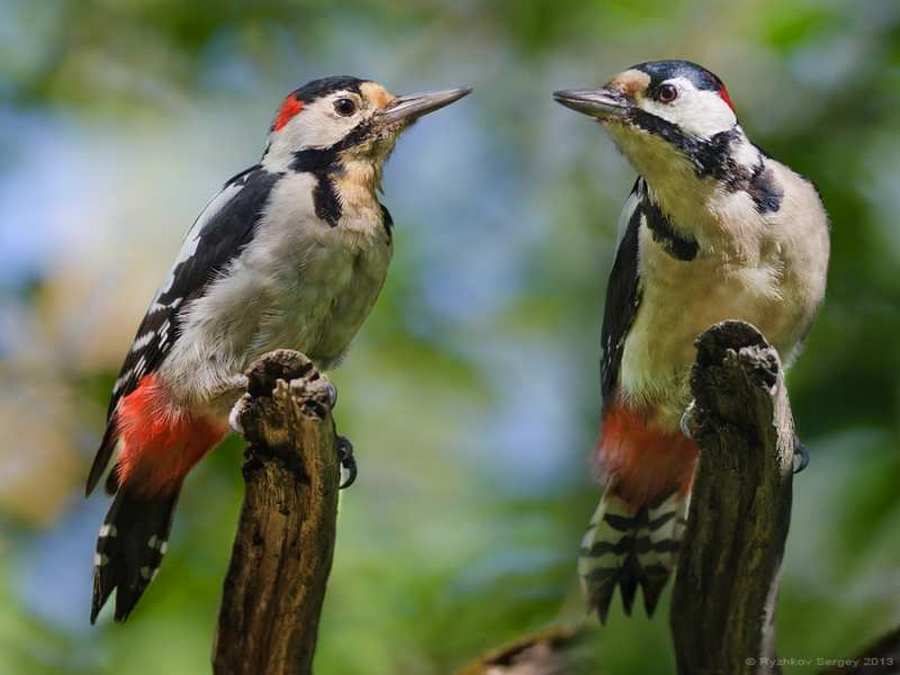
<point x="292" y="253"/>
<point x="714" y="229"/>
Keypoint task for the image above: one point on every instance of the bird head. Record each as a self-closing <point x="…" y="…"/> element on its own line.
<point x="663" y="113"/>
<point x="356" y="118"/>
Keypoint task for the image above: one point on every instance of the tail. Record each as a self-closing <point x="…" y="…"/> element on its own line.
<point x="628" y="546"/>
<point x="158" y="443"/>
<point x="130" y="548"/>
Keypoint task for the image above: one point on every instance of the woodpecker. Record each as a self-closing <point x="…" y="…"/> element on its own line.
<point x="292" y="253"/>
<point x="713" y="229"/>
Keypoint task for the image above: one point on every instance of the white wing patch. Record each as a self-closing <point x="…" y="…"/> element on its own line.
<point x="142" y="341"/>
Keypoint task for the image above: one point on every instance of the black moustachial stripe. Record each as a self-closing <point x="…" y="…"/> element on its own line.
<point x="712" y="158"/>
<point x="326" y="200"/>
<point x="323" y="164"/>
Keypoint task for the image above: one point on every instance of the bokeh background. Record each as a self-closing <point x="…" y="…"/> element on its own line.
<point x="472" y="393"/>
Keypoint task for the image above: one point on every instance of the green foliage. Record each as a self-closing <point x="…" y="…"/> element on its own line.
<point x="472" y="394"/>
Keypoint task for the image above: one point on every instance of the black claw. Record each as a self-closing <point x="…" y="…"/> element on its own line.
<point x="801" y="456"/>
<point x="348" y="462"/>
<point x="332" y="396"/>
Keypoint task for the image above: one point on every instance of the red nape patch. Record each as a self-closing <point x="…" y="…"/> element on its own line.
<point x="161" y="442"/>
<point x="289" y="108"/>
<point x="642" y="460"/>
<point x="723" y="93"/>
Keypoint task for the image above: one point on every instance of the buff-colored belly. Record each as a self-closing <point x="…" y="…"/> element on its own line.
<point x="679" y="301"/>
<point x="323" y="310"/>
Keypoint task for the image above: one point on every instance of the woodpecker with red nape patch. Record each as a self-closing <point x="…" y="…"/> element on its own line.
<point x="714" y="229"/>
<point x="292" y="253"/>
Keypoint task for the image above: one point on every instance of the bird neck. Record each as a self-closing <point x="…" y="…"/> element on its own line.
<point x="698" y="188"/>
<point x="358" y="175"/>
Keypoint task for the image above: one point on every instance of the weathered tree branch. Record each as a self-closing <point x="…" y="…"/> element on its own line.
<point x="282" y="554"/>
<point x="723" y="605"/>
<point x="560" y="650"/>
<point x="724" y="597"/>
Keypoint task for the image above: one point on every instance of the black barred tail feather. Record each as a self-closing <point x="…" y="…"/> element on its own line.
<point x="628" y="546"/>
<point x="130" y="548"/>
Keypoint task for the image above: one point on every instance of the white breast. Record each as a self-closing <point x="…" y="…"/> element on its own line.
<point x="300" y="284"/>
<point x="770" y="274"/>
<point x="321" y="281"/>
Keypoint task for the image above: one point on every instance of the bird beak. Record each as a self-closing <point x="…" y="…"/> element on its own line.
<point x="409" y="108"/>
<point x="603" y="103"/>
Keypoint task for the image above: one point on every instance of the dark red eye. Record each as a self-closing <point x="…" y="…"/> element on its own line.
<point x="345" y="107"/>
<point x="667" y="93"/>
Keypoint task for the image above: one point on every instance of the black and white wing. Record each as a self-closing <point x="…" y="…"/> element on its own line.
<point x="623" y="294"/>
<point x="218" y="236"/>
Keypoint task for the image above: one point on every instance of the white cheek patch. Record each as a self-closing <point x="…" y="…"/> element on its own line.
<point x="318" y="126"/>
<point x="700" y="112"/>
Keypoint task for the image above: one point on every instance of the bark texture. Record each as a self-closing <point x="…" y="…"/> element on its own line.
<point x="283" y="549"/>
<point x="723" y="604"/>
<point x="561" y="650"/>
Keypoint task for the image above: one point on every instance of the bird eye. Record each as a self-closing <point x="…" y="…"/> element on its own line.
<point x="344" y="107"/>
<point x="667" y="93"/>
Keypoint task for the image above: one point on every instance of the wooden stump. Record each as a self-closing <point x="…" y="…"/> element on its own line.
<point x="723" y="605"/>
<point x="283" y="549"/>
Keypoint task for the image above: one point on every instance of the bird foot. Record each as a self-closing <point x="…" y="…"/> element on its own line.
<point x="304" y="384"/>
<point x="688" y="422"/>
<point x="230" y="389"/>
<point x="348" y="462"/>
<point x="323" y="388"/>
<point x="801" y="456"/>
<point x="237" y="412"/>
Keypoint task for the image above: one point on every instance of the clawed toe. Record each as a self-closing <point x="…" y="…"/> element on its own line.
<point x="688" y="420"/>
<point x="348" y="462"/>
<point x="237" y="410"/>
<point x="331" y="392"/>
<point x="801" y="456"/>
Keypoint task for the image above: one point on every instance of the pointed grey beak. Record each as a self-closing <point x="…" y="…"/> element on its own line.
<point x="601" y="103"/>
<point x="415" y="105"/>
